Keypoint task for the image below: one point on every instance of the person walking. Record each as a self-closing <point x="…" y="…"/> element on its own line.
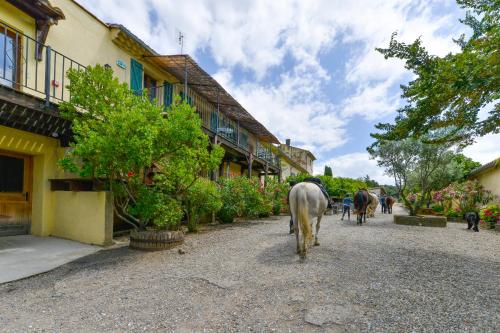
<point x="382" y="204"/>
<point x="346" y="203"/>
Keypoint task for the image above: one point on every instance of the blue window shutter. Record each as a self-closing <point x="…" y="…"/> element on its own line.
<point x="213" y="121"/>
<point x="136" y="74"/>
<point x="167" y="94"/>
<point x="187" y="98"/>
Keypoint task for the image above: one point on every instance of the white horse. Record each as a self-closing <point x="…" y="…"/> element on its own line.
<point x="306" y="201"/>
<point x="372" y="206"/>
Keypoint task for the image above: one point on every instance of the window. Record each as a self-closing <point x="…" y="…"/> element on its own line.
<point x="9" y="57"/>
<point x="150" y="84"/>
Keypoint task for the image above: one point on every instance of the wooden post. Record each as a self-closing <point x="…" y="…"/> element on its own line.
<point x="266" y="171"/>
<point x="250" y="162"/>
<point x="215" y="173"/>
<point x="48" y="51"/>
<point x="238" y="134"/>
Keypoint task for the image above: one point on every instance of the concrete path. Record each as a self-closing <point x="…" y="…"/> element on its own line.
<point x="23" y="256"/>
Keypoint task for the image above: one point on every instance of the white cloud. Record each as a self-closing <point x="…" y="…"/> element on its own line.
<point x="291" y="111"/>
<point x="258" y="35"/>
<point x="485" y="149"/>
<point x="355" y="165"/>
<point x="372" y="101"/>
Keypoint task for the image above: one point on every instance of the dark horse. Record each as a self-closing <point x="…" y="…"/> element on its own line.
<point x="361" y="201"/>
<point x="389" y="201"/>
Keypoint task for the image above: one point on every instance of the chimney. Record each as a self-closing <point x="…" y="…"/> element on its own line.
<point x="288" y="142"/>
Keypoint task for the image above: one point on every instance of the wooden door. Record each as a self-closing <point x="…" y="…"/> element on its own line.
<point x="15" y="193"/>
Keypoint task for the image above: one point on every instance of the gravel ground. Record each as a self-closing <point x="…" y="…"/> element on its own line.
<point x="379" y="277"/>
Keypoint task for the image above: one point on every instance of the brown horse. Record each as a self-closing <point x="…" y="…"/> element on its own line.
<point x="389" y="201"/>
<point x="361" y="201"/>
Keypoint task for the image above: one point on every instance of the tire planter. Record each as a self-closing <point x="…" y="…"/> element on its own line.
<point x="424" y="221"/>
<point x="155" y="240"/>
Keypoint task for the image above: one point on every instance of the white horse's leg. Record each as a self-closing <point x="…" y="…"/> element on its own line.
<point x="316" y="241"/>
<point x="296" y="230"/>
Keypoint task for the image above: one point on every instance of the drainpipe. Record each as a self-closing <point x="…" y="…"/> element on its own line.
<point x="185" y="78"/>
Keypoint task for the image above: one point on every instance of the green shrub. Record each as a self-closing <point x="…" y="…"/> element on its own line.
<point x="437" y="208"/>
<point x="456" y="212"/>
<point x="231" y="200"/>
<point x="247" y="197"/>
<point x="153" y="206"/>
<point x="203" y="197"/>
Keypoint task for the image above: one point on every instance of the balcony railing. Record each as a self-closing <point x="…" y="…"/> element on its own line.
<point x="214" y="121"/>
<point x="32" y="67"/>
<point x="266" y="154"/>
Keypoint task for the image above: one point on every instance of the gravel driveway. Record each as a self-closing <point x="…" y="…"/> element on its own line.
<point x="246" y="277"/>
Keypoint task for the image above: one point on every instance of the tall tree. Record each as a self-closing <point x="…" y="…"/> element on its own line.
<point x="448" y="92"/>
<point x="328" y="171"/>
<point x="412" y="163"/>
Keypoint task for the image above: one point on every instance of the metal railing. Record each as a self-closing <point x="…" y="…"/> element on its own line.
<point x="216" y="122"/>
<point x="29" y="66"/>
<point x="266" y="154"/>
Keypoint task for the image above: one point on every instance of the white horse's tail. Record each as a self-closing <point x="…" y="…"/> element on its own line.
<point x="303" y="216"/>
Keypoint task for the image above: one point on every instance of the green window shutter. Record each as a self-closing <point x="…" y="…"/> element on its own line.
<point x="167" y="94"/>
<point x="213" y="121"/>
<point x="136" y="74"/>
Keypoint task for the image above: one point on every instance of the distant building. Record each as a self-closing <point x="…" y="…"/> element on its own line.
<point x="304" y="158"/>
<point x="379" y="191"/>
<point x="489" y="176"/>
<point x="289" y="167"/>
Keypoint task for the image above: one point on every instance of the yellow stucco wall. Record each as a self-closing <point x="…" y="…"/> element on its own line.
<point x="491" y="181"/>
<point x="45" y="152"/>
<point x="234" y="169"/>
<point x="47" y="210"/>
<point x="79" y="37"/>
<point x="17" y="19"/>
<point x="85" y="39"/>
<point x="83" y="216"/>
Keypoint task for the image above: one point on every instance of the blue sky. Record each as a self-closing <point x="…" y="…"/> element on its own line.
<point x="306" y="69"/>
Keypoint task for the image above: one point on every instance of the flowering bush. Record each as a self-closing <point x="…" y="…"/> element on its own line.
<point x="469" y="195"/>
<point x="490" y="215"/>
<point x="412" y="197"/>
<point x="276" y="193"/>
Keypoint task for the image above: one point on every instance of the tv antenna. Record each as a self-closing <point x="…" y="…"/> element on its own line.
<point x="181" y="40"/>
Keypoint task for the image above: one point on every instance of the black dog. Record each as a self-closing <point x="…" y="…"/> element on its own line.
<point x="472" y="218"/>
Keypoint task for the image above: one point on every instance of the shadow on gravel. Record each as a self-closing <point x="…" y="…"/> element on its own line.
<point x="106" y="259"/>
<point x="282" y="253"/>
